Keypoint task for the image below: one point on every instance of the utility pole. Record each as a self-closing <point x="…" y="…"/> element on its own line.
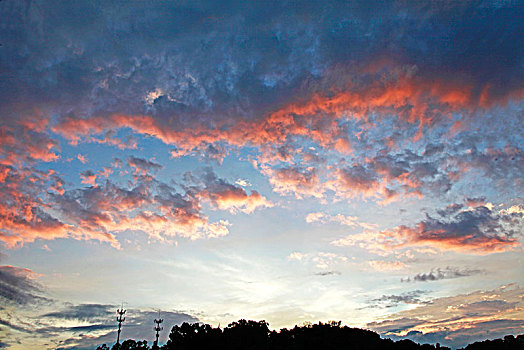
<point x="120" y="318"/>
<point x="157" y="329"/>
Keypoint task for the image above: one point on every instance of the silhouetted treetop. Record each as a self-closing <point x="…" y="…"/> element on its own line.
<point x="256" y="335"/>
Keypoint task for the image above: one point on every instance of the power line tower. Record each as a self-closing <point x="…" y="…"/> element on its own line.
<point x="157" y="329"/>
<point x="120" y="318"/>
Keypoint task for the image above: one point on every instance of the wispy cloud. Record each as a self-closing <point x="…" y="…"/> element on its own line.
<point x="457" y="320"/>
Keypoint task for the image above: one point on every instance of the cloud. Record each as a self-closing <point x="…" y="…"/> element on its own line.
<point x="327" y="103"/>
<point x="84" y="326"/>
<point x="296" y="256"/>
<point x="327" y="273"/>
<point x="478" y="230"/>
<point x="440" y="274"/>
<point x="411" y="297"/>
<point x="19" y="286"/>
<point x="226" y="196"/>
<point x="153" y="207"/>
<point x="138" y="325"/>
<point x="243" y="183"/>
<point x="458" y="320"/>
<point x="373" y="97"/>
<point x="142" y="166"/>
<point x="321" y="260"/>
<point x="23" y="138"/>
<point x="20" y="292"/>
<point x="23" y="211"/>
<point x="88" y="177"/>
<point x="385" y="266"/>
<point x="82" y="312"/>
<point x="106" y="208"/>
<point x="296" y="181"/>
<point x="351" y="221"/>
<point x="82" y="158"/>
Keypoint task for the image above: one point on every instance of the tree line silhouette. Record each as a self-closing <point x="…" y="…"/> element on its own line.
<point x="255" y="335"/>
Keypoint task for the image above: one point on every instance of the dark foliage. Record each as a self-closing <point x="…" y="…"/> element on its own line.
<point x="509" y="342"/>
<point x="253" y="335"/>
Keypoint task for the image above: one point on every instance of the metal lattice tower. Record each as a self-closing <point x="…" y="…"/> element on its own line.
<point x="120" y="318"/>
<point x="157" y="329"/>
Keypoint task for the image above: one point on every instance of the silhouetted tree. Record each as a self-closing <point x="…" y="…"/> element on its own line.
<point x="509" y="342"/>
<point x="129" y="344"/>
<point x="255" y="335"/>
<point x="194" y="336"/>
<point x="248" y="335"/>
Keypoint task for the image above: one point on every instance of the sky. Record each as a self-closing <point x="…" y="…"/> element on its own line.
<point x="284" y="161"/>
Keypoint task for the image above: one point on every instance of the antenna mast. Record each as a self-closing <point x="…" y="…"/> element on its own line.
<point x="157" y="329"/>
<point x="120" y="318"/>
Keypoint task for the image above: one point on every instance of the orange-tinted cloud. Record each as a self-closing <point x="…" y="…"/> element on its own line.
<point x="413" y="99"/>
<point x="477" y="231"/>
<point x="237" y="200"/>
<point x="19" y="145"/>
<point x="457" y="320"/>
<point x="226" y="196"/>
<point x="300" y="182"/>
<point x="104" y="210"/>
<point x="22" y="211"/>
<point x="82" y="158"/>
<point x="88" y="177"/>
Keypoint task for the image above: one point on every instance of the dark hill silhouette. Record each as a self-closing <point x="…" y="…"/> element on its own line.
<point x="253" y="335"/>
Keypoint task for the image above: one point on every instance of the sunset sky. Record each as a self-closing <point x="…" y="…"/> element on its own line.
<point x="282" y="161"/>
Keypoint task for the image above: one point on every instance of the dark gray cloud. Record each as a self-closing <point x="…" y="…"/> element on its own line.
<point x="443" y="273"/>
<point x="327" y="273"/>
<point x="19" y="292"/>
<point x="204" y="65"/>
<point x="392" y="300"/>
<point x="83" y="312"/>
<point x="143" y="166"/>
<point x="479" y="229"/>
<point x="209" y="57"/>
<point x="18" y="286"/>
